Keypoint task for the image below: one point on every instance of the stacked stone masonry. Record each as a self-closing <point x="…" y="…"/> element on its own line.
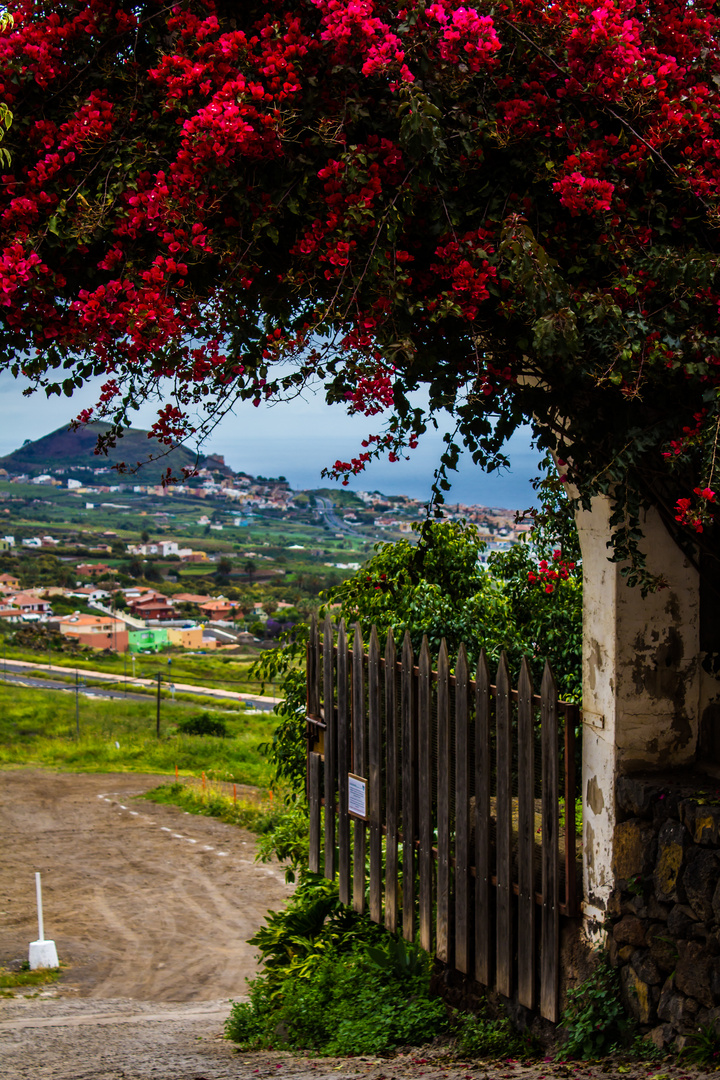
<point x="664" y="913"/>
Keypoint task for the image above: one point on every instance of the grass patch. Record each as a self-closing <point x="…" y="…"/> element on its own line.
<point x="213" y="801"/>
<point x="37" y="727"/>
<point x="282" y="829"/>
<point x="23" y="977"/>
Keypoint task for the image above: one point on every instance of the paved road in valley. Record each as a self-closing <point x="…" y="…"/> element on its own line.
<point x="39" y="676"/>
<point x="327" y="510"/>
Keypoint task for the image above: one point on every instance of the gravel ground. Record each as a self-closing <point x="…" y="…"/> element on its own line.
<point x="128" y="1040"/>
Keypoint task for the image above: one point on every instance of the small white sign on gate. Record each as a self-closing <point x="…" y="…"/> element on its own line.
<point x="357" y="796"/>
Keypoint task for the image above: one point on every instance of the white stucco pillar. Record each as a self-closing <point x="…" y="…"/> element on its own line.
<point x="642" y="681"/>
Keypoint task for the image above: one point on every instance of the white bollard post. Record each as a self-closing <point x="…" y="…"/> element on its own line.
<point x="38" y="894"/>
<point x="43" y="954"/>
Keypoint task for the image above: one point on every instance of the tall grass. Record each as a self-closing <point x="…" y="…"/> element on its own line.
<point x="37" y="727"/>
<point x="213" y="799"/>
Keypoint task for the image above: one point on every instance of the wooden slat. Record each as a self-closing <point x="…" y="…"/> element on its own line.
<point x="374" y="777"/>
<point x="572" y="720"/>
<point x="442" y="935"/>
<point x="359" y="767"/>
<point x="425" y="801"/>
<point x="483" y="867"/>
<point x="462" y="816"/>
<point x="314" y="801"/>
<point x="407" y="774"/>
<point x="503" y="816"/>
<point x="330" y="747"/>
<point x="313" y="669"/>
<point x="391" y="796"/>
<point x="343" y="735"/>
<point x="526" y="841"/>
<point x="312" y="693"/>
<point x="550" y="922"/>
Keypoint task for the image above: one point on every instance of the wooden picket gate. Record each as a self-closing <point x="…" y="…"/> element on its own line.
<point x="462" y="831"/>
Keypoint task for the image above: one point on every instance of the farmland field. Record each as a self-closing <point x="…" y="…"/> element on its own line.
<point x="39" y="728"/>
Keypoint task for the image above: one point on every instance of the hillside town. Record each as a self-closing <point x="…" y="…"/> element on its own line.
<point x="216" y="560"/>
<point x="244" y="496"/>
<point x="128" y="620"/>
<point x="220" y="561"/>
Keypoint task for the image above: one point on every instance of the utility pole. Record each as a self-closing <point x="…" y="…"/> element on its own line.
<point x="125" y="671"/>
<point x="77" y="705"/>
<point x="158" y="705"/>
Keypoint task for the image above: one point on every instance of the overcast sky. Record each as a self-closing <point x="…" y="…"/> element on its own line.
<point x="295" y="439"/>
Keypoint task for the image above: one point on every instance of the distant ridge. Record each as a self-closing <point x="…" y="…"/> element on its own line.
<point x="65" y="449"/>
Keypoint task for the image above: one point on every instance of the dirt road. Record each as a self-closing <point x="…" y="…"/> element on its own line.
<point x="143" y="901"/>
<point x="147" y="906"/>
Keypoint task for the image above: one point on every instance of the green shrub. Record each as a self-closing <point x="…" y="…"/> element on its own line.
<point x="312" y="924"/>
<point x="397" y="958"/>
<point x="334" y="982"/>
<point x="204" y="724"/>
<point x="703" y="1048"/>
<point x="346" y="1005"/>
<point x="483" y="1038"/>
<point x="288" y="840"/>
<point x="595" y="1021"/>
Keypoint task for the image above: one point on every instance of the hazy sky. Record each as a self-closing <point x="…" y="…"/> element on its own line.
<point x="296" y="439"/>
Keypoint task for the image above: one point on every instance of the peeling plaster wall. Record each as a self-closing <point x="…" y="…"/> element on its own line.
<point x="641" y="681"/>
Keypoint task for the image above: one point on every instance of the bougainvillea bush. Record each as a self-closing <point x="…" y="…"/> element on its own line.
<point x="512" y="203"/>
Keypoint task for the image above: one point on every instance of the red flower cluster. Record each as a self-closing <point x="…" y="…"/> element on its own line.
<point x="690" y="433"/>
<point x="466" y="37"/>
<point x="584" y="195"/>
<point x="464" y="262"/>
<point x="171" y="427"/>
<point x="373" y="394"/>
<point x="550" y="574"/>
<point x="356" y="33"/>
<point x="699" y="516"/>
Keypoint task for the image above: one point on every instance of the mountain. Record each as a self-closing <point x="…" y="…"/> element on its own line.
<point x="67" y="449"/>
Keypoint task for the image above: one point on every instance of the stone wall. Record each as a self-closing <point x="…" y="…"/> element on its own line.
<point x="664" y="913"/>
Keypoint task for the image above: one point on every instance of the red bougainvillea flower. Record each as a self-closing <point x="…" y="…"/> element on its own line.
<point x="514" y="206"/>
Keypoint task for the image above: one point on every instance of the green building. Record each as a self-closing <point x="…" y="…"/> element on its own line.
<point x="151" y="640"/>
